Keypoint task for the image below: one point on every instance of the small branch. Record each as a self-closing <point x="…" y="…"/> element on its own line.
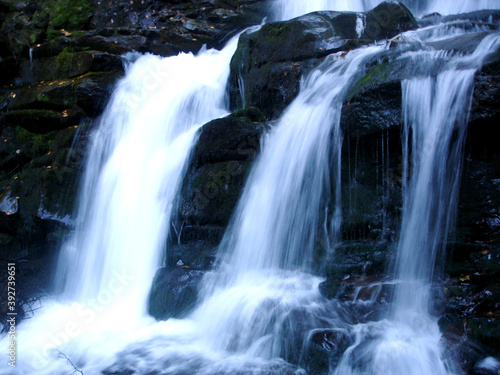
<point x="75" y="369"/>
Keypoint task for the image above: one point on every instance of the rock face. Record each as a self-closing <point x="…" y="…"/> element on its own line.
<point x="215" y="178"/>
<point x="265" y="69"/>
<point x="58" y="71"/>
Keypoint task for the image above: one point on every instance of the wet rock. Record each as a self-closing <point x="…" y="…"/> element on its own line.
<point x="355" y="261"/>
<point x="220" y="164"/>
<point x="388" y="20"/>
<point x="173" y="293"/>
<point x="371" y="182"/>
<point x="191" y="254"/>
<point x="485" y="16"/>
<point x="268" y="64"/>
<point x="93" y="90"/>
<point x="464" y="43"/>
<point x="41" y="120"/>
<point x="55" y="95"/>
<point x="374" y="103"/>
<point x="324" y="349"/>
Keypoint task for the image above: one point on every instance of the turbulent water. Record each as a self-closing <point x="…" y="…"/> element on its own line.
<point x="287" y="9"/>
<point x="261" y="307"/>
<point x="133" y="172"/>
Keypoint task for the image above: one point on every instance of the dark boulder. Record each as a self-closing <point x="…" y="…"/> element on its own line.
<point x="41" y="121"/>
<point x="220" y="164"/>
<point x="324" y="349"/>
<point x="173" y="293"/>
<point x="93" y="90"/>
<point x="388" y="20"/>
<point x="268" y="64"/>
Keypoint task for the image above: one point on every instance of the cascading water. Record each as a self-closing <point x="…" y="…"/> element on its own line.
<point x="140" y="150"/>
<point x="436" y="110"/>
<point x="133" y="172"/>
<point x="271" y="239"/>
<point x="287" y="9"/>
<point x="435" y="107"/>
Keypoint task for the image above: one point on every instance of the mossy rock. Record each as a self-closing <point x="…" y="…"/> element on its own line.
<point x="300" y="44"/>
<point x="59" y="189"/>
<point x="41" y="121"/>
<point x="68" y="14"/>
<point x="48" y="188"/>
<point x="254" y="114"/>
<point x="73" y="64"/>
<point x="376" y="75"/>
<point x="33" y="144"/>
<point x="55" y="95"/>
<point x="220" y="164"/>
<point x="173" y="293"/>
<point x="66" y="64"/>
<point x="94" y="89"/>
<point x="213" y="191"/>
<point x="59" y="96"/>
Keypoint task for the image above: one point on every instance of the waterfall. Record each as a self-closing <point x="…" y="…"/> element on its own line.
<point x="140" y="150"/>
<point x="272" y="236"/>
<point x="133" y="172"/>
<point x="435" y="109"/>
<point x="287" y="9"/>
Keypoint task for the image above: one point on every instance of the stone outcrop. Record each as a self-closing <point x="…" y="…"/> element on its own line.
<point x="266" y="68"/>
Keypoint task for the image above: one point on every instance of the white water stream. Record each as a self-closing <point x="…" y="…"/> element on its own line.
<point x="436" y="105"/>
<point x="134" y="169"/>
<point x="287" y="9"/>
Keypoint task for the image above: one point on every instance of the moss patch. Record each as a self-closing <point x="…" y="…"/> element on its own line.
<point x="38" y="144"/>
<point x="68" y="14"/>
<point x="376" y="75"/>
<point x="73" y="64"/>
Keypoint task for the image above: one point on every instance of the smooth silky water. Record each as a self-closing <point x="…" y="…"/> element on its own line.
<point x="135" y="165"/>
<point x="262" y="302"/>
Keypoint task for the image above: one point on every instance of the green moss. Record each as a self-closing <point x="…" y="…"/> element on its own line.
<point x="65" y="59"/>
<point x="72" y="64"/>
<point x="282" y="31"/>
<point x="375" y="75"/>
<point x="52" y="34"/>
<point x="39" y="144"/>
<point x="68" y="14"/>
<point x="254" y="114"/>
<point x="59" y="95"/>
